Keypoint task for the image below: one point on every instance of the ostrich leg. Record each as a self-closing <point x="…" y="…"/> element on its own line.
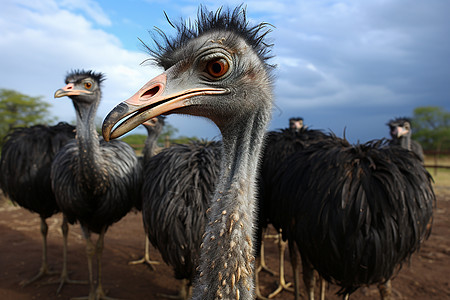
<point x="262" y="264"/>
<point x="385" y="290"/>
<point x="294" y="255"/>
<point x="64" y="273"/>
<point x="90" y="252"/>
<point x="323" y="284"/>
<point x="308" y="278"/>
<point x="282" y="285"/>
<point x="99" y="293"/>
<point x="146" y="259"/>
<point x="44" y="270"/>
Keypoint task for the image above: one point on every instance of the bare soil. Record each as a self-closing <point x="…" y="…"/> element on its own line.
<point x="426" y="277"/>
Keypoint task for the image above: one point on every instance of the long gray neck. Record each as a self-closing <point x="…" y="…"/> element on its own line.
<point x="405" y="141"/>
<point x="227" y="259"/>
<point x="150" y="144"/>
<point x="89" y="162"/>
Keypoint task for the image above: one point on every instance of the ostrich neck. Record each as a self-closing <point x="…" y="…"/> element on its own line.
<point x="88" y="145"/>
<point x="405" y="142"/>
<point x="150" y="145"/>
<point x="227" y="260"/>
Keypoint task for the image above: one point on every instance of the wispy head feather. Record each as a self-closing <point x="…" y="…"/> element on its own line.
<point x="76" y="75"/>
<point x="234" y="21"/>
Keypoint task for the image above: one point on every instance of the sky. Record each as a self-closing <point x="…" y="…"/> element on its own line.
<point x="344" y="66"/>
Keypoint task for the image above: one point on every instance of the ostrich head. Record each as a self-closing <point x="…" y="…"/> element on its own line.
<point x="215" y="68"/>
<point x="154" y="125"/>
<point x="295" y="124"/>
<point x="400" y="127"/>
<point x="82" y="86"/>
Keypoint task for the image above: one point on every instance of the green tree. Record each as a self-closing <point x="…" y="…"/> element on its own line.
<point x="19" y="110"/>
<point x="431" y="127"/>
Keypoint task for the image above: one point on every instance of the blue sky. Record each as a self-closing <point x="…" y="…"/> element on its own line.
<point x="341" y="65"/>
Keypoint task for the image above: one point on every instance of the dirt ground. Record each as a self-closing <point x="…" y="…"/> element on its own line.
<point x="427" y="276"/>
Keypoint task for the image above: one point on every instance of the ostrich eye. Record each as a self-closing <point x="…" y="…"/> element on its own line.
<point x="88" y="85"/>
<point x="217" y="68"/>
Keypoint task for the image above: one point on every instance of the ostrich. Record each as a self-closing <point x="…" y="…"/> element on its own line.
<point x="280" y="145"/>
<point x="356" y="213"/>
<point x="94" y="182"/>
<point x="216" y="68"/>
<point x="177" y="189"/>
<point x="400" y="130"/>
<point x="25" y="166"/>
<point x="296" y="123"/>
<point x="154" y="127"/>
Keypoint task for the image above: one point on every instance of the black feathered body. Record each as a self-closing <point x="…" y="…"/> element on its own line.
<point x="356" y="212"/>
<point x="25" y="165"/>
<point x="103" y="195"/>
<point x="279" y="146"/>
<point x="178" y="186"/>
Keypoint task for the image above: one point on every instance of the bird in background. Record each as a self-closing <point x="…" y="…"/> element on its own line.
<point x="95" y="183"/>
<point x="280" y="145"/>
<point x="216" y="67"/>
<point x="25" y="167"/>
<point x="356" y="213"/>
<point x="296" y="123"/>
<point x="401" y="132"/>
<point x="154" y="128"/>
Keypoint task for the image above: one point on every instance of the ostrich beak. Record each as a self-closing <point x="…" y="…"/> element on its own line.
<point x="69" y="90"/>
<point x="152" y="122"/>
<point x="152" y="100"/>
<point x="399" y="131"/>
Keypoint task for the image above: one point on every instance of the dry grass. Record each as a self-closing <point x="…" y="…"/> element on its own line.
<point x="441" y="176"/>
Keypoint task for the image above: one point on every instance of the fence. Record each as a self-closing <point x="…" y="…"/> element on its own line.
<point x="438" y="158"/>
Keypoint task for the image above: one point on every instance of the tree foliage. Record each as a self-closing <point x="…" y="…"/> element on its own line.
<point x="431" y="127"/>
<point x="19" y="110"/>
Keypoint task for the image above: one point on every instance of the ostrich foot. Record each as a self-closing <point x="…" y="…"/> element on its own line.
<point x="69" y="281"/>
<point x="265" y="268"/>
<point x="146" y="261"/>
<point x="64" y="279"/>
<point x="43" y="271"/>
<point x="281" y="287"/>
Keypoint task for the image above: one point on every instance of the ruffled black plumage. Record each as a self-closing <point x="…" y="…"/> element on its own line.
<point x="279" y="145"/>
<point x="25" y="165"/>
<point x="178" y="186"/>
<point x="355" y="212"/>
<point x="104" y="204"/>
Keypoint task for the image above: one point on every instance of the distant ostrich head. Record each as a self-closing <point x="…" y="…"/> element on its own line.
<point x="295" y="124"/>
<point x="215" y="68"/>
<point x="82" y="85"/>
<point x="400" y="127"/>
<point x="155" y="124"/>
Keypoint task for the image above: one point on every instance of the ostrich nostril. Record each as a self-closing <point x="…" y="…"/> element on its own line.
<point x="151" y="92"/>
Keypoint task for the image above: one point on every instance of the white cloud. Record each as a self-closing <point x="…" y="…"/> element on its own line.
<point x="50" y="40"/>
